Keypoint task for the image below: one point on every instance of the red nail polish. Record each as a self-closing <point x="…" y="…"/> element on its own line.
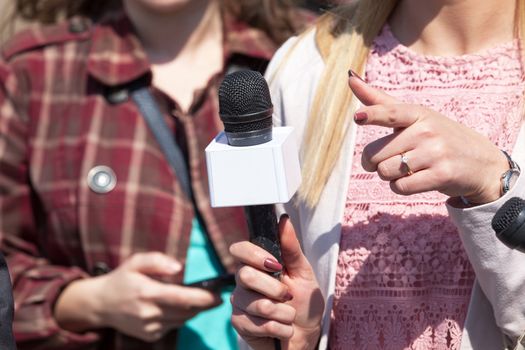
<point x="360" y="117"/>
<point x="273" y="265"/>
<point x="288" y="296"/>
<point x="353" y="74"/>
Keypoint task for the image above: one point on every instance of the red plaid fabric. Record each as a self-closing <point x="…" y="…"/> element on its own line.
<point x="64" y="109"/>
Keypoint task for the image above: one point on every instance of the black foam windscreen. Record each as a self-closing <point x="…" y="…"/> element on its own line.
<point x="244" y="92"/>
<point x="507" y="214"/>
<point x="245" y="108"/>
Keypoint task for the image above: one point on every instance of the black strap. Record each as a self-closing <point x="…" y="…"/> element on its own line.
<point x="155" y="120"/>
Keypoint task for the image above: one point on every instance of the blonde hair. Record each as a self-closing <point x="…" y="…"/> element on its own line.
<point x="344" y="38"/>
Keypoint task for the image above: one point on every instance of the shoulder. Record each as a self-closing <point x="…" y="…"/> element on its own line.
<point x="293" y="75"/>
<point x="38" y="37"/>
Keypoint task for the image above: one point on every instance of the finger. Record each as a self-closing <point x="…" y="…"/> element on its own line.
<point x="389" y="115"/>
<point x="386" y="147"/>
<point x="369" y="95"/>
<point x="293" y="257"/>
<point x="248" y="253"/>
<point x="421" y="181"/>
<point x="150" y="332"/>
<point x="256" y="305"/>
<point x="153" y="263"/>
<point x="186" y="298"/>
<point x="256" y="280"/>
<point x="393" y="168"/>
<point x="253" y="326"/>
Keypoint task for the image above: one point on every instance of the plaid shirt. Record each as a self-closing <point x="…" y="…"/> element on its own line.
<point x="65" y="109"/>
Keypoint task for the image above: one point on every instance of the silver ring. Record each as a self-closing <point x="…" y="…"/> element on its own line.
<point x="404" y="160"/>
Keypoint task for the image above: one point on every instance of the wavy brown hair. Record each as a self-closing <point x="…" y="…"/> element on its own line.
<point x="274" y="17"/>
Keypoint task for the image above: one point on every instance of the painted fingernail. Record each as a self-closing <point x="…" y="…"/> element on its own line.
<point x="273" y="265"/>
<point x="353" y="74"/>
<point x="288" y="296"/>
<point x="360" y="117"/>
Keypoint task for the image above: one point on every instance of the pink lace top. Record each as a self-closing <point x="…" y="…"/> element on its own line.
<point x="403" y="279"/>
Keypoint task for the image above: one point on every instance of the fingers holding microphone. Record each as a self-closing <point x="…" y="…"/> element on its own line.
<point x="265" y="308"/>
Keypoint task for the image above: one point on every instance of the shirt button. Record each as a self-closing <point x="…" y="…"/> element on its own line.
<point x="100" y="268"/>
<point x="101" y="179"/>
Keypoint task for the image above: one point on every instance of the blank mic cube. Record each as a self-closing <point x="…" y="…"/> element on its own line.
<point x="267" y="173"/>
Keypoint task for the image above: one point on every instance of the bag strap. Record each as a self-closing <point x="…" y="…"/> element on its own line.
<point x="166" y="140"/>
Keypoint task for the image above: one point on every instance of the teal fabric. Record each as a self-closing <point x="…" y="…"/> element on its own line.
<point x="210" y="329"/>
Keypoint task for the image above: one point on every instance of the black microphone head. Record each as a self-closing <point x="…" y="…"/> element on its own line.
<point x="245" y="108"/>
<point x="509" y="223"/>
<point x="507" y="214"/>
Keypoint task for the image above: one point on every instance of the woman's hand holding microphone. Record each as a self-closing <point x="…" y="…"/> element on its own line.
<point x="265" y="308"/>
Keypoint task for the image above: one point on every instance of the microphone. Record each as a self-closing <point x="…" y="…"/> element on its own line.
<point x="245" y="108"/>
<point x="509" y="224"/>
<point x="252" y="164"/>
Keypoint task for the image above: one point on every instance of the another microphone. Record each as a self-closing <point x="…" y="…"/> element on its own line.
<point x="252" y="164"/>
<point x="509" y="224"/>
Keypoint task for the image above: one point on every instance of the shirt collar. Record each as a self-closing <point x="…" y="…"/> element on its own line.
<point x="116" y="56"/>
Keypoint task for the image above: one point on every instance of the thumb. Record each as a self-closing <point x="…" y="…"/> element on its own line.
<point x="367" y="94"/>
<point x="294" y="260"/>
<point x="153" y="263"/>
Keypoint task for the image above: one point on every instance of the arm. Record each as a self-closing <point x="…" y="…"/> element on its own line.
<point x="498" y="268"/>
<point x="36" y="282"/>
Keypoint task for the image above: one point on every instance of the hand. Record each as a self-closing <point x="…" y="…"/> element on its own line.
<point x="265" y="308"/>
<point x="131" y="301"/>
<point x="443" y="155"/>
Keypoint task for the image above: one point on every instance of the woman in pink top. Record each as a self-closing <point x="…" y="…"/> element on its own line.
<point x="402" y="173"/>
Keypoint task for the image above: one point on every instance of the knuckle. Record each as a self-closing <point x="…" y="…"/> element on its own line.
<point x="144" y="293"/>
<point x="383" y="171"/>
<point x="146" y="314"/>
<point x="264" y="307"/>
<point x="392" y="114"/>
<point x="425" y="131"/>
<point x="275" y="329"/>
<point x="247" y="276"/>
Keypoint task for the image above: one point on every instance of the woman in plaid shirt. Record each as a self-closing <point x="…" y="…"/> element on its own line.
<point x="91" y="215"/>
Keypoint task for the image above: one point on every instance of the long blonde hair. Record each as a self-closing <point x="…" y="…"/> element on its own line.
<point x="344" y="38"/>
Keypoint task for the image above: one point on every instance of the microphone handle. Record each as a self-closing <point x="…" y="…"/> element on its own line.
<point x="264" y="230"/>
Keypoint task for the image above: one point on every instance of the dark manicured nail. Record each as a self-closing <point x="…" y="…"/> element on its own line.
<point x="360" y="117"/>
<point x="351" y="74"/>
<point x="284" y="216"/>
<point x="273" y="265"/>
<point x="288" y="296"/>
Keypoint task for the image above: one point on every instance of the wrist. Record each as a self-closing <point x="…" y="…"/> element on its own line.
<point x="78" y="307"/>
<point x="305" y="339"/>
<point x="495" y="188"/>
